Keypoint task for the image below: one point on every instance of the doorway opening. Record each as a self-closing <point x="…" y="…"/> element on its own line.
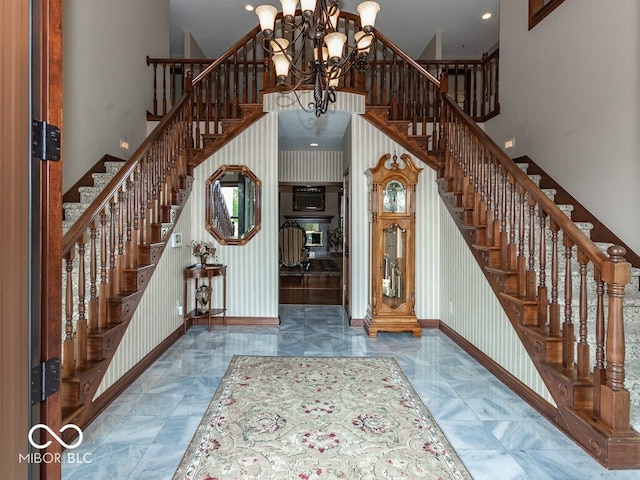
<point x="318" y="209"/>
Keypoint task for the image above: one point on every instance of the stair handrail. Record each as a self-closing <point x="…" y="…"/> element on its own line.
<point x="563" y="221"/>
<point x="395" y="49"/>
<point x="88" y="216"/>
<point x="611" y="403"/>
<point x="229" y="52"/>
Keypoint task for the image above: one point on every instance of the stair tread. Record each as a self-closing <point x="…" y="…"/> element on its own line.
<point x="80" y="372"/>
<point x="500" y="270"/>
<point x="518" y="299"/>
<point x="568" y="374"/>
<point x="103" y="330"/>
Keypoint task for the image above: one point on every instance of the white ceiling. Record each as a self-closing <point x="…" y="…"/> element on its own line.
<point x="410" y="24"/>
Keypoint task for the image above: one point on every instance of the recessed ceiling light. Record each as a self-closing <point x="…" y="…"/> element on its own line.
<point x="486" y="15"/>
<point x="248" y="8"/>
<point x="313" y="144"/>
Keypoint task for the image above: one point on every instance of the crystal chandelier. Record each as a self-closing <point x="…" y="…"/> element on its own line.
<point x="333" y="57"/>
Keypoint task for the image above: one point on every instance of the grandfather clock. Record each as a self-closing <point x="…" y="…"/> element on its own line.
<point x="392" y="220"/>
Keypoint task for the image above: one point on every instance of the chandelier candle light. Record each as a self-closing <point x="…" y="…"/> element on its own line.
<point x="319" y="26"/>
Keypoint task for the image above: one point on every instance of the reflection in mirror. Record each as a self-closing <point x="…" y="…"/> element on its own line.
<point x="233" y="204"/>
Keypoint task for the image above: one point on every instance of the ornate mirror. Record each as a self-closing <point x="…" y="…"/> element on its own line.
<point x="233" y="205"/>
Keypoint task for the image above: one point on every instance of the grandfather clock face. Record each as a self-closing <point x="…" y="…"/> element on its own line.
<point x="394" y="197"/>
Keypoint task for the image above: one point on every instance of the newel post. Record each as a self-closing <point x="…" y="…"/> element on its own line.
<point x="615" y="405"/>
<point x="444" y="88"/>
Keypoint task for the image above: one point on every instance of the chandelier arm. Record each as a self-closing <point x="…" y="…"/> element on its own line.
<point x="327" y="64"/>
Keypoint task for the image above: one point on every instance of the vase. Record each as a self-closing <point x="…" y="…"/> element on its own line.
<point x="203" y="293"/>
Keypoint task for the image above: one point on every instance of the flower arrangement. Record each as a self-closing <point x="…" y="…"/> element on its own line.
<point x="203" y="249"/>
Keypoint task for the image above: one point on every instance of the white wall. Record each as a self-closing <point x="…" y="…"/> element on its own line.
<point x="569" y="95"/>
<point x="157" y="315"/>
<point x="470" y="307"/>
<point x="107" y="83"/>
<point x="191" y="47"/>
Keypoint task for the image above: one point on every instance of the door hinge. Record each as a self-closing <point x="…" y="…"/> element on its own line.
<point x="45" y="380"/>
<point x="45" y="141"/>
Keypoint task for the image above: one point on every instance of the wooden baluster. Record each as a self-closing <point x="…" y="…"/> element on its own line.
<point x="477" y="205"/>
<point x="471" y="169"/>
<point x="483" y="105"/>
<point x="531" y="268"/>
<point x="614" y="403"/>
<point x="554" y="308"/>
<point x="567" y="325"/>
<point x="481" y="218"/>
<point x="172" y="72"/>
<point x="120" y="226"/>
<point x="94" y="308"/>
<point x="373" y="69"/>
<point x="395" y="87"/>
<point x="235" y="101"/>
<point x="543" y="300"/>
<point x="216" y="111"/>
<point x="188" y="87"/>
<point x="599" y="372"/>
<point x="439" y="112"/>
<point x="164" y="89"/>
<point x="253" y="73"/>
<point x="208" y="105"/>
<point x="504" y="233"/>
<point x="415" y="102"/>
<point x="81" y="322"/>
<point x="384" y="97"/>
<point x="474" y="105"/>
<point x="583" y="345"/>
<point x="112" y="279"/>
<point x="405" y="88"/>
<point x="155" y="88"/>
<point x="512" y="245"/>
<point x="137" y="186"/>
<point x="103" y="289"/>
<point x="521" y="262"/>
<point x="245" y="76"/>
<point x="490" y="199"/>
<point x="144" y="199"/>
<point x="495" y="201"/>
<point x="198" y="116"/>
<point x="68" y="344"/>
<point x="128" y="223"/>
<point x="228" y="95"/>
<point x="495" y="85"/>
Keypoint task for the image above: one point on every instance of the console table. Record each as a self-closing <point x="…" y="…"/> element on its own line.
<point x="199" y="274"/>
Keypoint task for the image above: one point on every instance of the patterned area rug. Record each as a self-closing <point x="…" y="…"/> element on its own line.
<point x="318" y="418"/>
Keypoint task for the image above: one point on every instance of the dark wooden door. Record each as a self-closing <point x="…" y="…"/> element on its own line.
<point x="46" y="220"/>
<point x="14" y="216"/>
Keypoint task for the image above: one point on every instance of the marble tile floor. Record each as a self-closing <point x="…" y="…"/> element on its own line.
<point x="144" y="433"/>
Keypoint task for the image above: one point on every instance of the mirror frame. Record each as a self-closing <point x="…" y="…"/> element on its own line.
<point x="219" y="173"/>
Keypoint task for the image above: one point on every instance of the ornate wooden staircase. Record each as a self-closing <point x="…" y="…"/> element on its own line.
<point x="545" y="271"/>
<point x="564" y="296"/>
<point x="112" y="249"/>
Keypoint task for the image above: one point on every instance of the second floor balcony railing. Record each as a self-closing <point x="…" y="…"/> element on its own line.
<point x="391" y="79"/>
